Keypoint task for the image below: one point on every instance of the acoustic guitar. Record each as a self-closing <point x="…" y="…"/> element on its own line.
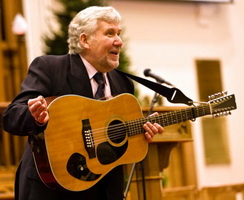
<point x="86" y="138"/>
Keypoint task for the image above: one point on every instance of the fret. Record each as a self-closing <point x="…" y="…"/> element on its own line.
<point x="194" y="113"/>
<point x="180" y="115"/>
<point x="184" y="114"/>
<point x="134" y="127"/>
<point x="203" y="110"/>
<point x="189" y="113"/>
<point x="175" y="117"/>
<point x="170" y="118"/>
<point x="198" y="110"/>
<point x="164" y="120"/>
<point x="207" y="109"/>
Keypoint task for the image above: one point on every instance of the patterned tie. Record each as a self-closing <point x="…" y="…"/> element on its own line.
<point x="99" y="78"/>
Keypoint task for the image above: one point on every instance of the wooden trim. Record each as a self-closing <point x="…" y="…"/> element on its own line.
<point x="2" y="94"/>
<point x="7" y="176"/>
<point x="3" y="105"/>
<point x="221" y="192"/>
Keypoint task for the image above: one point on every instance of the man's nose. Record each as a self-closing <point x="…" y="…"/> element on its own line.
<point x="118" y="41"/>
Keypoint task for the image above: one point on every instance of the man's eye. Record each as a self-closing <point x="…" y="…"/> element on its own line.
<point x="110" y="33"/>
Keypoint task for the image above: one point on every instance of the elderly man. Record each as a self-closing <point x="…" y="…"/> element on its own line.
<point x="94" y="48"/>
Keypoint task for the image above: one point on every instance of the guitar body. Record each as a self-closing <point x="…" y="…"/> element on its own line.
<point x="85" y="139"/>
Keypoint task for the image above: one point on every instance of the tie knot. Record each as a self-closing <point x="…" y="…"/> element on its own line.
<point x="99" y="78"/>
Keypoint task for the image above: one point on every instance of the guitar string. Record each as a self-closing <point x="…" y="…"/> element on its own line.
<point x="100" y="133"/>
<point x="135" y="125"/>
<point x="117" y="134"/>
<point x="199" y="111"/>
<point x="152" y="118"/>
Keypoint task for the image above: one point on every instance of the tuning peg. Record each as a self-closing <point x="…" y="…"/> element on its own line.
<point x="227" y="113"/>
<point x="217" y="95"/>
<point x="224" y="93"/>
<point x="221" y="114"/>
<point x="214" y="96"/>
<point x="211" y="97"/>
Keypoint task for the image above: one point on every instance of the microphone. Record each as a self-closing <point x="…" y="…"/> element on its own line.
<point x="147" y="72"/>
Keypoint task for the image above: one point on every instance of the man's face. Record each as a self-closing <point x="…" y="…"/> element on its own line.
<point x="104" y="47"/>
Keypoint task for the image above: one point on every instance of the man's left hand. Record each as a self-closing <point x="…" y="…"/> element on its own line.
<point x="152" y="129"/>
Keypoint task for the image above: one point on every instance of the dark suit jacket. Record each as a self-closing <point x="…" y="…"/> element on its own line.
<point x="50" y="76"/>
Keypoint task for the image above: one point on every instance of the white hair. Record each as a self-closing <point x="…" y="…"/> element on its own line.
<point x="86" y="22"/>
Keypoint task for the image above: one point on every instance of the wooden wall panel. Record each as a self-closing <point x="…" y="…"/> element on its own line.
<point x="13" y="61"/>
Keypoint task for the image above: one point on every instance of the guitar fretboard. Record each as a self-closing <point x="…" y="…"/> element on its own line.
<point x="135" y="127"/>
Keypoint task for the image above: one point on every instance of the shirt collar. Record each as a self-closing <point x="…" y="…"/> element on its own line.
<point x="90" y="69"/>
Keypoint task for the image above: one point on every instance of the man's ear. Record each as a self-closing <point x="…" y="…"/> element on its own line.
<point x="84" y="41"/>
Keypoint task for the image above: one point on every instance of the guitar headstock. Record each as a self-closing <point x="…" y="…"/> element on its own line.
<point x="221" y="104"/>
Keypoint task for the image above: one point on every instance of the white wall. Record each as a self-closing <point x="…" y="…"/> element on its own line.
<point x="41" y="21"/>
<point x="167" y="38"/>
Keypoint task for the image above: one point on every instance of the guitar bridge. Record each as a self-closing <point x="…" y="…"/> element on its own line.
<point x="88" y="138"/>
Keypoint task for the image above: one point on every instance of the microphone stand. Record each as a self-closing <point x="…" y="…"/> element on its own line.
<point x="153" y="102"/>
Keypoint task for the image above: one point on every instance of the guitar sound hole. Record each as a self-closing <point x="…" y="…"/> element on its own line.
<point x="116" y="131"/>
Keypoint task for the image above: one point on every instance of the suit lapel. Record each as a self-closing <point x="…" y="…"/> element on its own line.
<point x="114" y="83"/>
<point x="78" y="77"/>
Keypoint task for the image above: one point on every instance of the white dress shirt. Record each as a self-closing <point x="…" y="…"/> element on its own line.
<point x="91" y="72"/>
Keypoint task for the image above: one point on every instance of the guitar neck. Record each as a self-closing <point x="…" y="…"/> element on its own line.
<point x="135" y="127"/>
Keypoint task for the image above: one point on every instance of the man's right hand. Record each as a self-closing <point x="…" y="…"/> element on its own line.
<point x="38" y="109"/>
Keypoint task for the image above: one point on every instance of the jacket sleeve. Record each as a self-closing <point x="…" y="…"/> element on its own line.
<point x="16" y="118"/>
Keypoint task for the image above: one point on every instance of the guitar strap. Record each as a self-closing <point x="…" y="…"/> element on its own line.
<point x="173" y="95"/>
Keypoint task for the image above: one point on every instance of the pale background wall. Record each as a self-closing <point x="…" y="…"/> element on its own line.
<point x="168" y="37"/>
